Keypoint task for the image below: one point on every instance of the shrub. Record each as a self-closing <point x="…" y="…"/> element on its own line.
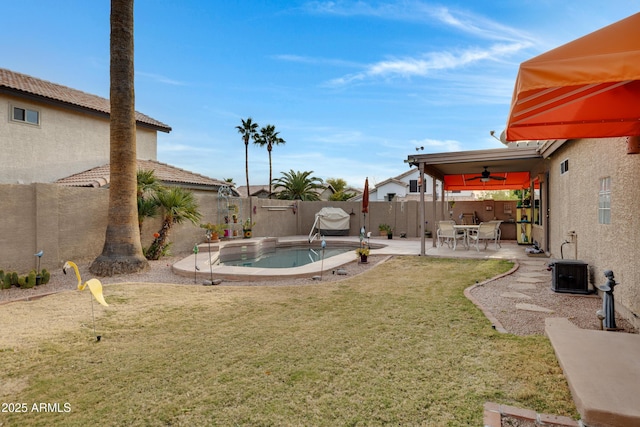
<point x="31" y="279"/>
<point x="5" y="280"/>
<point x="46" y="276"/>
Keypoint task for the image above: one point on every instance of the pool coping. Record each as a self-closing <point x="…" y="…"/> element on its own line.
<point x="207" y="258"/>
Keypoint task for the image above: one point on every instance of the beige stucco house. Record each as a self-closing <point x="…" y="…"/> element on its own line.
<point x="49" y="131"/>
<point x="585" y="202"/>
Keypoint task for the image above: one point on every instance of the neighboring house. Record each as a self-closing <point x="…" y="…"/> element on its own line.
<point x="168" y="175"/>
<point x="49" y="131"/>
<point x="262" y="191"/>
<point x="405" y="187"/>
<point x="326" y="191"/>
<point x="259" y="191"/>
<point x="355" y="191"/>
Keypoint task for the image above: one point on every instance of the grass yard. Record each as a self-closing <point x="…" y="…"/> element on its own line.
<point x="397" y="345"/>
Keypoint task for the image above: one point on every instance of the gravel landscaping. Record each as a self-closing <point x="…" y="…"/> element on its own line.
<point x="512" y="300"/>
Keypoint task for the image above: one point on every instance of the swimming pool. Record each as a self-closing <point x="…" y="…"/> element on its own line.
<point x="203" y="266"/>
<point x="285" y="257"/>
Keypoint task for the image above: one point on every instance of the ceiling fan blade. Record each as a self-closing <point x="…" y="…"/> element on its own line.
<point x="471" y="179"/>
<point x="498" y="178"/>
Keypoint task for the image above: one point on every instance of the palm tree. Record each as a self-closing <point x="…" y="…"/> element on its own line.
<point x="248" y="130"/>
<point x="298" y="186"/>
<point x="269" y="137"/>
<point x="178" y="205"/>
<point x="147" y="186"/>
<point x="339" y="185"/>
<point x="122" y="251"/>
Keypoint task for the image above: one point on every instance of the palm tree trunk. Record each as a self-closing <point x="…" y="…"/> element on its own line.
<point x="246" y="163"/>
<point x="270" y="171"/>
<point x="122" y="251"/>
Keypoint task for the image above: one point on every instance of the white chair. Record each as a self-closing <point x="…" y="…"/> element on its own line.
<point x="497" y="222"/>
<point x="486" y="231"/>
<point x="447" y="234"/>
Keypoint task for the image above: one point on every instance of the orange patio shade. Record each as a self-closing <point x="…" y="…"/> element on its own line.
<point x="588" y="88"/>
<point x="512" y="181"/>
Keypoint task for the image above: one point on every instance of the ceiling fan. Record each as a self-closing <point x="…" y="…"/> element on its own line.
<point x="486" y="176"/>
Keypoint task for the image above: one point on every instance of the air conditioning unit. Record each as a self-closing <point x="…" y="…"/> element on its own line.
<point x="569" y="276"/>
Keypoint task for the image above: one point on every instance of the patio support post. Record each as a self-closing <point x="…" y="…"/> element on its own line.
<point x="421" y="227"/>
<point x="435" y="207"/>
<point x="442" y="201"/>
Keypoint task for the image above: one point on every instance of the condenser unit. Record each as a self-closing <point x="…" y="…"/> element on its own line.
<point x="569" y="276"/>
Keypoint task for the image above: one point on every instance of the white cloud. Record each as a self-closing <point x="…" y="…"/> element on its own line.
<point x="436" y="146"/>
<point x="424" y="66"/>
<point x="418" y="11"/>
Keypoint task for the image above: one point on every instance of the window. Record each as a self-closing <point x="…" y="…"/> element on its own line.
<point x="564" y="166"/>
<point x="26" y="116"/>
<point x="413" y="186"/>
<point x="604" y="201"/>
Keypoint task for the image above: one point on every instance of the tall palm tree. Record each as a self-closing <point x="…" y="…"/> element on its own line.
<point x="269" y="137"/>
<point x="298" y="186"/>
<point x="248" y="130"/>
<point x="178" y="205"/>
<point x="122" y="251"/>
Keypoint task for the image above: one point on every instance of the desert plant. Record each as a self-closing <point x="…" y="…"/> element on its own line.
<point x="384" y="228"/>
<point x="14" y="279"/>
<point x="214" y="228"/>
<point x="31" y="279"/>
<point x="5" y="281"/>
<point x="362" y="251"/>
<point x="178" y="205"/>
<point x="46" y="276"/>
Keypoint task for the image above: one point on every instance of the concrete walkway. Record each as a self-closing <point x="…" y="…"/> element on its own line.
<point x="602" y="368"/>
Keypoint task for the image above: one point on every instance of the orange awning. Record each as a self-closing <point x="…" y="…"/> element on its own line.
<point x="588" y="88"/>
<point x="512" y="181"/>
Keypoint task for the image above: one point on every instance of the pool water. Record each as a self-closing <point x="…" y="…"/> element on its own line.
<point x="287" y="257"/>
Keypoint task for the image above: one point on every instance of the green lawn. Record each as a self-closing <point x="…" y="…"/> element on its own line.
<point x="398" y="345"/>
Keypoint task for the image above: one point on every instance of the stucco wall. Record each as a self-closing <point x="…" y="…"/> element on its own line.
<point x="65" y="142"/>
<point x="574" y="207"/>
<point x="70" y="223"/>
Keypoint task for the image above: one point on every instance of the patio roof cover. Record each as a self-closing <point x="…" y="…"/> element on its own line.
<point x="512" y="181"/>
<point x="456" y="168"/>
<point x="587" y="88"/>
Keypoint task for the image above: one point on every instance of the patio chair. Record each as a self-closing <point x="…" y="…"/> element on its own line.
<point x="449" y="235"/>
<point x="497" y="222"/>
<point x="486" y="231"/>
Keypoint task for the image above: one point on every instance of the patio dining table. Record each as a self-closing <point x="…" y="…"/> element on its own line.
<point x="466" y="228"/>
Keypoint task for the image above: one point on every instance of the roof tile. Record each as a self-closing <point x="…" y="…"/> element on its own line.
<point x="18" y="82"/>
<point x="99" y="176"/>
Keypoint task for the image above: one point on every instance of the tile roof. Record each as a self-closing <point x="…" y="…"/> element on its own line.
<point x="99" y="176"/>
<point x="254" y="190"/>
<point x="23" y="84"/>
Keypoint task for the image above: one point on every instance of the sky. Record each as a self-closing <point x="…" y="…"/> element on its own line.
<point x="353" y="87"/>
